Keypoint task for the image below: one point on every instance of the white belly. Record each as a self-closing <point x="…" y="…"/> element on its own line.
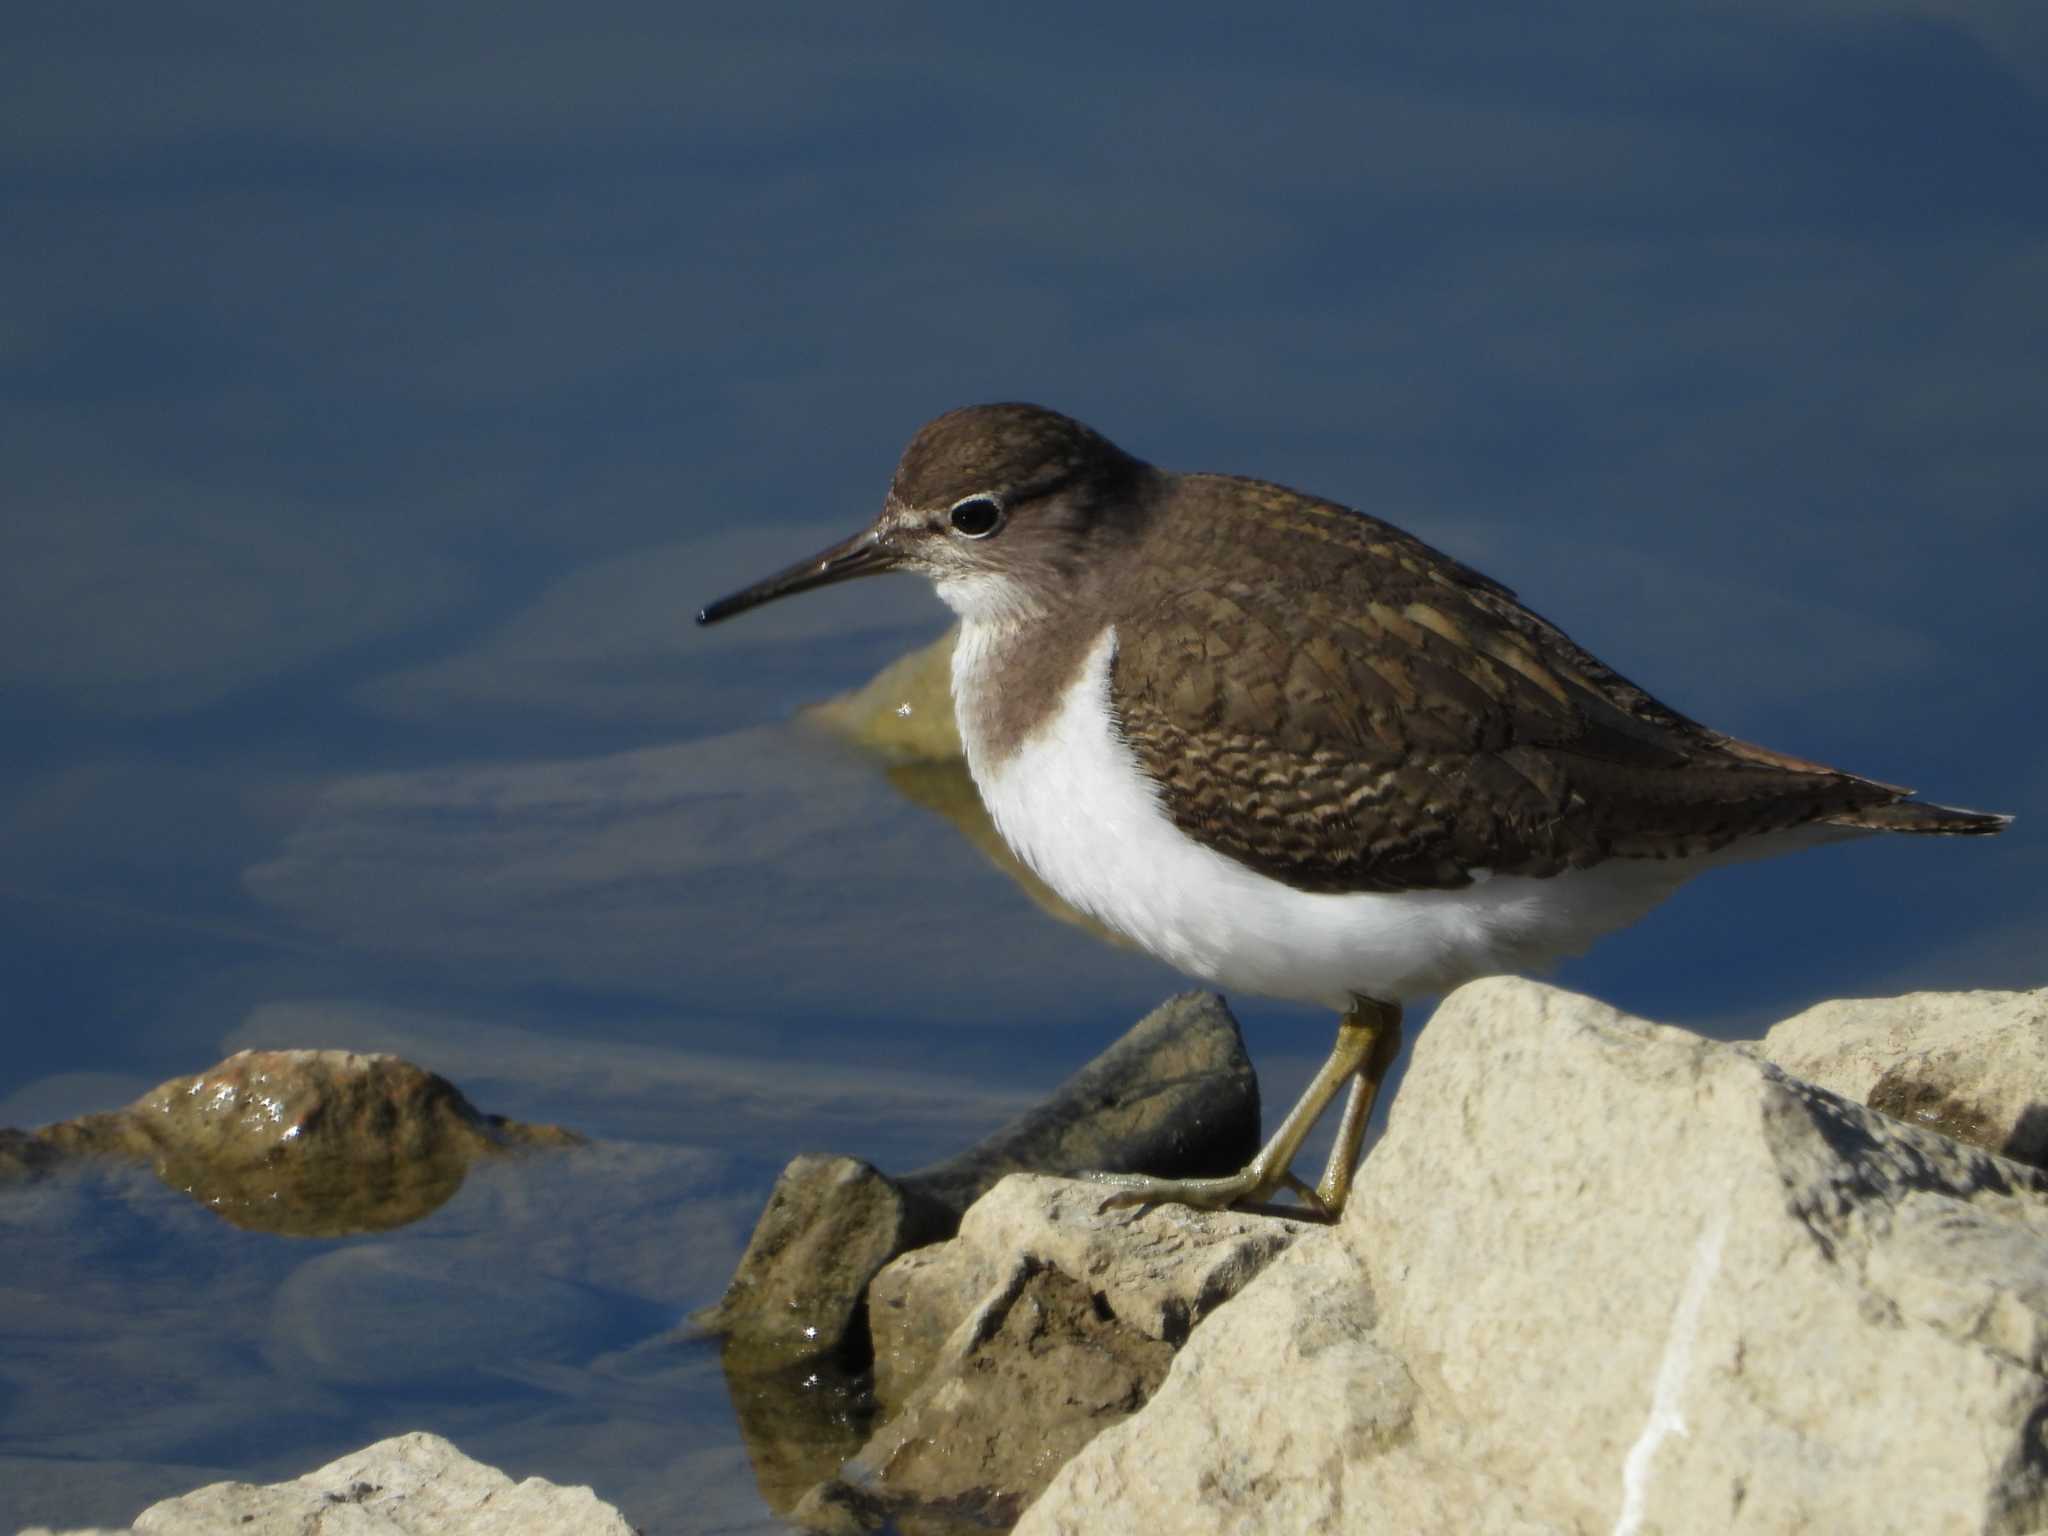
<point x="1074" y="805"/>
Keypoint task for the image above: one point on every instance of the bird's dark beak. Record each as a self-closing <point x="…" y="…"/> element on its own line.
<point x="867" y="553"/>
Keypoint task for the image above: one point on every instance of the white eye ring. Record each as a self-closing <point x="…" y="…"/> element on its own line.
<point x="976" y="516"/>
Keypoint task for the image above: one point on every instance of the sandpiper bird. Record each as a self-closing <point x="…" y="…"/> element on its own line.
<point x="1292" y="750"/>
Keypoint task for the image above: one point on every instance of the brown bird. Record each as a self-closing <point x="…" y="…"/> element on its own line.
<point x="1292" y="750"/>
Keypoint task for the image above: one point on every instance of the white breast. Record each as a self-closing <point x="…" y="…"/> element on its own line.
<point x="1075" y="806"/>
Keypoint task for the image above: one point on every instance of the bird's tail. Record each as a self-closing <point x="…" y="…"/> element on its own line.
<point x="1919" y="816"/>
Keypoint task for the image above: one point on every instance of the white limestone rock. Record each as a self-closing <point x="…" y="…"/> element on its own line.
<point x="410" y="1485"/>
<point x="1158" y="1272"/>
<point x="1001" y="1353"/>
<point x="1605" y="1276"/>
<point x="1972" y="1065"/>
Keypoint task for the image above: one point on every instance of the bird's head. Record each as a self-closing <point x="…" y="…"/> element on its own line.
<point x="1006" y="509"/>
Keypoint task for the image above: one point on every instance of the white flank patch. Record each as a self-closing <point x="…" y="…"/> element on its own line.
<point x="1074" y="805"/>
<point x="1665" y="1420"/>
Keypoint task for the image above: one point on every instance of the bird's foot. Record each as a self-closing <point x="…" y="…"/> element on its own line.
<point x="1368" y="1039"/>
<point x="1250" y="1188"/>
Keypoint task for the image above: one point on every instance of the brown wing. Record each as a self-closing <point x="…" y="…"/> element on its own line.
<point x="1352" y="710"/>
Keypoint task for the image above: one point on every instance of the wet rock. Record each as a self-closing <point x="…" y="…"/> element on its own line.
<point x="799" y="1424"/>
<point x="1972" y="1065"/>
<point x="1060" y="1320"/>
<point x="1601" y="1275"/>
<point x="301" y="1142"/>
<point x="839" y="1509"/>
<point x="1176" y="1095"/>
<point x="410" y="1485"/>
<point x="25" y="1155"/>
<point x="830" y="1224"/>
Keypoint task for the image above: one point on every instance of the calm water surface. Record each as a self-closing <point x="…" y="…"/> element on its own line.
<point x="706" y="956"/>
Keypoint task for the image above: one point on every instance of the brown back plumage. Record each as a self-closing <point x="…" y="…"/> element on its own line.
<point x="1350" y="709"/>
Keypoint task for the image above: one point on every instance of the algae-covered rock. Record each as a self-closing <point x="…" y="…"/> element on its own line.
<point x="305" y="1143"/>
<point x="905" y="711"/>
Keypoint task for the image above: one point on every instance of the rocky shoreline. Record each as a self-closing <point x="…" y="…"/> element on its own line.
<point x="1598" y="1275"/>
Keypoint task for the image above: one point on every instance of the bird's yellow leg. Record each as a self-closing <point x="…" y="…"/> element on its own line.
<point x="1335" y="1187"/>
<point x="1368" y="1038"/>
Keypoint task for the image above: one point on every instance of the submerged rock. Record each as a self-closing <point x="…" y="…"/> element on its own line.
<point x="905" y="711"/>
<point x="1176" y="1095"/>
<point x="305" y="1143"/>
<point x="25" y="1154"/>
<point x="904" y="715"/>
<point x="1601" y="1275"/>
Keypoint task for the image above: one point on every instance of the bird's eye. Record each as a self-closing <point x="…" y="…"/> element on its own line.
<point x="976" y="517"/>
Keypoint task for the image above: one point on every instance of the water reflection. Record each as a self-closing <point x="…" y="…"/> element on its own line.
<point x="784" y="859"/>
<point x="514" y="1305"/>
<point x="799" y="1423"/>
<point x="528" y="1310"/>
<point x="170" y="1351"/>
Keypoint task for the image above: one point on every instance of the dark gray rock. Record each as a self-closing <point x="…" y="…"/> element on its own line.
<point x="830" y="1224"/>
<point x="1175" y="1096"/>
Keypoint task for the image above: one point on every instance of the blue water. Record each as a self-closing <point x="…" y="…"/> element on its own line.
<point x="383" y="394"/>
